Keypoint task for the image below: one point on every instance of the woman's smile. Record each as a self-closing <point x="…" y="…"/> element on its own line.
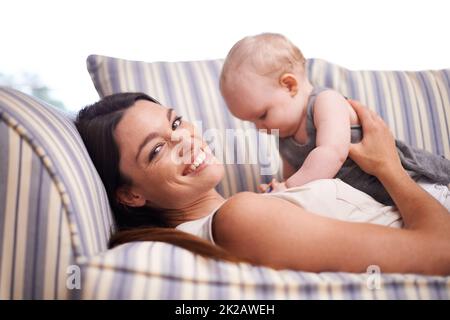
<point x="201" y="161"/>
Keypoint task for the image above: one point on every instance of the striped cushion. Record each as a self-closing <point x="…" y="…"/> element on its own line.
<point x="53" y="207"/>
<point x="416" y="105"/>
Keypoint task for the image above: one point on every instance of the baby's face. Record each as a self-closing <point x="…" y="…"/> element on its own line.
<point x="263" y="101"/>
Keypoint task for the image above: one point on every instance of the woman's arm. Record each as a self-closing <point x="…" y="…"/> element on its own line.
<point x="419" y="210"/>
<point x="274" y="232"/>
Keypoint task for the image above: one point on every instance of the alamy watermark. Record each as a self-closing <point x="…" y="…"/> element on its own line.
<point x="373" y="281"/>
<point x="73" y="281"/>
<point x="230" y="146"/>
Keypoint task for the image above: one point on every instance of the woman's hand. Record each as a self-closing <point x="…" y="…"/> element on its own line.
<point x="376" y="153"/>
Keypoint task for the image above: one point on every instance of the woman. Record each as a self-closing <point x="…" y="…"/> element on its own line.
<point x="130" y="138"/>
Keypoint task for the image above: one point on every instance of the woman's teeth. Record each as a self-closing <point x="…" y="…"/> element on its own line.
<point x="198" y="160"/>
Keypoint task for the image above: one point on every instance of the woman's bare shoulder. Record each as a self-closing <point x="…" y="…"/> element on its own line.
<point x="236" y="207"/>
<point x="238" y="200"/>
<point x="237" y="216"/>
<point x="249" y="203"/>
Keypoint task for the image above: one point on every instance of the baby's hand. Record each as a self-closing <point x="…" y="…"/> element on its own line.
<point x="273" y="186"/>
<point x="278" y="186"/>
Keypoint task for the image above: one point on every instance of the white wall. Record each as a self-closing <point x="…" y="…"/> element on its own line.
<point x="53" y="38"/>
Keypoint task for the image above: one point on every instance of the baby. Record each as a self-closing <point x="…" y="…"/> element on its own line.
<point x="264" y="81"/>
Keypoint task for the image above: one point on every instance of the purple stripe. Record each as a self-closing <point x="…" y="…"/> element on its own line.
<point x="405" y="107"/>
<point x="222" y="291"/>
<point x="297" y="280"/>
<point x="389" y="94"/>
<point x="380" y="101"/>
<point x="354" y="93"/>
<point x="58" y="253"/>
<point x="18" y="193"/>
<point x="433" y="120"/>
<point x="129" y="81"/>
<point x="114" y="74"/>
<point x="446" y="78"/>
<point x="439" y="290"/>
<point x="152" y="80"/>
<point x="174" y="286"/>
<point x="4" y="152"/>
<point x="444" y="110"/>
<point x="420" y="115"/>
<point x="139" y="79"/>
<point x="33" y="221"/>
<point x="151" y="245"/>
<point x="351" y="289"/>
<point x="119" y="277"/>
<point x="94" y="70"/>
<point x="195" y="91"/>
<point x="126" y="280"/>
<point x="444" y="103"/>
<point x="417" y="290"/>
<point x="40" y="233"/>
<point x="328" y="81"/>
<point x="306" y="289"/>
<point x="399" y="290"/>
<point x="394" y="291"/>
<point x="286" y="289"/>
<point x="310" y="66"/>
<point x="98" y="279"/>
<point x="265" y="286"/>
<point x="168" y="289"/>
<point x="167" y="85"/>
<point x="195" y="276"/>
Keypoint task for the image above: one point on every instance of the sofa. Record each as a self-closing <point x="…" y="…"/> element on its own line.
<point x="55" y="220"/>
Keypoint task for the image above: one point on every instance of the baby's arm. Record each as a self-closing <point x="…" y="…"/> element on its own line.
<point x="332" y="121"/>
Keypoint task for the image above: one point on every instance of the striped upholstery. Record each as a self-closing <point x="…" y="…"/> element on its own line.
<point x="161" y="271"/>
<point x="416" y="105"/>
<point x="53" y="208"/>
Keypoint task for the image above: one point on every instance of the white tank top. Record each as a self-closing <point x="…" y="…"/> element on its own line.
<point x="331" y="198"/>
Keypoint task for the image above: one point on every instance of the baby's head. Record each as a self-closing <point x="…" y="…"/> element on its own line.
<point x="263" y="79"/>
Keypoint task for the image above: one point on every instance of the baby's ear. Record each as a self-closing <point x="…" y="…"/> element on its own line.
<point x="290" y="82"/>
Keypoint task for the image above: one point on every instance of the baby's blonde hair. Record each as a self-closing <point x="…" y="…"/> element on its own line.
<point x="268" y="54"/>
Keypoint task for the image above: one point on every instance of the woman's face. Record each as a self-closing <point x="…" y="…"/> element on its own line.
<point x="168" y="164"/>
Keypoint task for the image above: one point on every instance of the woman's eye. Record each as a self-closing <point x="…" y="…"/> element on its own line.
<point x="176" y="123"/>
<point x="155" y="152"/>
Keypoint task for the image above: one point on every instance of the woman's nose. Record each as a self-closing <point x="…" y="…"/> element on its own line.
<point x="185" y="144"/>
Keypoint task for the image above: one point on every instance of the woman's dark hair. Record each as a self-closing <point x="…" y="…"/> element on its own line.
<point x="96" y="124"/>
